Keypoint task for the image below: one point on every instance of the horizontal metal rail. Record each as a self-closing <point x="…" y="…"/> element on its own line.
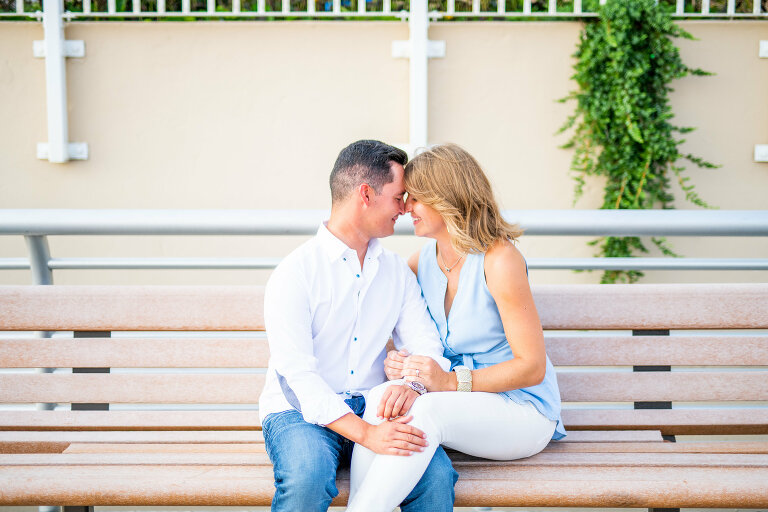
<point x="270" y="263"/>
<point x="37" y="225"/>
<point x="305" y="222"/>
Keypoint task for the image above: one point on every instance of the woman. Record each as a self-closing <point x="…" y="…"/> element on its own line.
<point x="475" y="284"/>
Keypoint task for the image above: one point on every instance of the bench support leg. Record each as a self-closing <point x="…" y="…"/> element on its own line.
<point x="84" y="509"/>
<point x="663" y="510"/>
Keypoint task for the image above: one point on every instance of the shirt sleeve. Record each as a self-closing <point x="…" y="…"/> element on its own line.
<point x="288" y="321"/>
<point x="415" y="330"/>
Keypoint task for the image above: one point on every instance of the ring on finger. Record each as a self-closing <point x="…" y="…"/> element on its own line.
<point x="417" y="372"/>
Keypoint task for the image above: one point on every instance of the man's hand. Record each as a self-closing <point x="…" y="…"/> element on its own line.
<point x="396" y="401"/>
<point x="395" y="437"/>
<point x="393" y="364"/>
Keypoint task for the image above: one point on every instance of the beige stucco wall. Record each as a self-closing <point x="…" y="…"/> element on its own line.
<point x="252" y="115"/>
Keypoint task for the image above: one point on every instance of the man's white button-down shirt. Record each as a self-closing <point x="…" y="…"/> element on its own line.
<point x="328" y="322"/>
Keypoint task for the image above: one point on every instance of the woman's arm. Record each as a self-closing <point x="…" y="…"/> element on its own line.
<point x="505" y="274"/>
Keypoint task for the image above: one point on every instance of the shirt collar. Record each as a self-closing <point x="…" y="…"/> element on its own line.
<point x="335" y="248"/>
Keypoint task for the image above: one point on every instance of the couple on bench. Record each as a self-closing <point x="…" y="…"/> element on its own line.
<point x="470" y="371"/>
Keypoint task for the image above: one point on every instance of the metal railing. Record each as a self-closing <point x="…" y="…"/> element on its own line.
<point x="351" y="9"/>
<point x="37" y="225"/>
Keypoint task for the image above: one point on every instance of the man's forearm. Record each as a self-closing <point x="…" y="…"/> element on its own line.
<point x="351" y="427"/>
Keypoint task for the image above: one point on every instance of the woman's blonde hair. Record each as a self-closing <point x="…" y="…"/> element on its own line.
<point x="450" y="180"/>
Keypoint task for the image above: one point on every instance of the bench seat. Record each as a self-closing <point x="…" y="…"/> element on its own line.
<point x="629" y="386"/>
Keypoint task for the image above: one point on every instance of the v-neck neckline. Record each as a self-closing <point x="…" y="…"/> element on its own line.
<point x="447" y="315"/>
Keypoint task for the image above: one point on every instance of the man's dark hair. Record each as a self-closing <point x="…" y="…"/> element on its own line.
<point x="364" y="161"/>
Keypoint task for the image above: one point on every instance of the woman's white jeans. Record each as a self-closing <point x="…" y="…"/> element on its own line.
<point x="485" y="425"/>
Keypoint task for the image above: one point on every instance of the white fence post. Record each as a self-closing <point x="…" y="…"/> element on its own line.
<point x="55" y="50"/>
<point x="419" y="49"/>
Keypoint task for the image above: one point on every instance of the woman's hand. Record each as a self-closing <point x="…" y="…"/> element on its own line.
<point x="424" y="369"/>
<point x="393" y="364"/>
<point x="396" y="401"/>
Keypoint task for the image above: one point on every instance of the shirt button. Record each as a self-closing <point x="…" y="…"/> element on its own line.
<point x="358" y="275"/>
<point x="345" y="259"/>
<point x="352" y="372"/>
<point x="355" y="339"/>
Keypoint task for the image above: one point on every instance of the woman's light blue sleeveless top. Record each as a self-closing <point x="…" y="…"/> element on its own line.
<point x="473" y="334"/>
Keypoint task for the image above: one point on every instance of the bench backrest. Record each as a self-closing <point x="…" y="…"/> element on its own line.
<point x="619" y="367"/>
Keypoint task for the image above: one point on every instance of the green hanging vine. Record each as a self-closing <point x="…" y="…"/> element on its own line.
<point x="625" y="62"/>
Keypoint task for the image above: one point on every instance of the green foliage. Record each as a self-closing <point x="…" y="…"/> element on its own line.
<point x="622" y="130"/>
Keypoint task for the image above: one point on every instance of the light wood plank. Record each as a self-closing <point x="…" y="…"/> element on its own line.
<point x="132" y="308"/>
<point x="578" y="459"/>
<point x="658" y="350"/>
<point x="665" y="447"/>
<point x="134" y="353"/>
<point x="480" y="485"/>
<point x="653" y="306"/>
<point x="131" y="388"/>
<point x="130" y="420"/>
<point x="245" y="388"/>
<point x="713" y="421"/>
<point x="644" y="306"/>
<point x="219" y="437"/>
<point x="662" y="386"/>
<point x="613" y="436"/>
<point x="108" y="448"/>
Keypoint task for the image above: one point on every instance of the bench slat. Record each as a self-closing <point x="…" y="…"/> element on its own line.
<point x="658" y="350"/>
<point x="674" y="421"/>
<point x="245" y="388"/>
<point x="662" y="386"/>
<point x="653" y="306"/>
<point x="254" y="353"/>
<point x="131" y="388"/>
<point x="478" y="485"/>
<point x="134" y="353"/>
<point x="714" y="421"/>
<point x="724" y="447"/>
<point x="130" y="420"/>
<point x="580" y="459"/>
<point x="125" y="308"/>
<point x="132" y="308"/>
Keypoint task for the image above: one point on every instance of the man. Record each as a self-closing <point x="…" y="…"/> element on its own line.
<point x="330" y="308"/>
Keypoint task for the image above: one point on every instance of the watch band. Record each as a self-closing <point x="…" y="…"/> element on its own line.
<point x="464" y="378"/>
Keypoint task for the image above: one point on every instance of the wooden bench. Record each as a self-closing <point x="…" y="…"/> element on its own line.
<point x="624" y="405"/>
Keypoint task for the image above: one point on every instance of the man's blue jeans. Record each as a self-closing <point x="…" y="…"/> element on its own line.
<point x="305" y="458"/>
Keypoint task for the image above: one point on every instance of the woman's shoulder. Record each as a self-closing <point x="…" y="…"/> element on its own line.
<point x="413" y="262"/>
<point x="503" y="257"/>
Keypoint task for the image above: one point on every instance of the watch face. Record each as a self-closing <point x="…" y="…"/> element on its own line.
<point x="417" y="387"/>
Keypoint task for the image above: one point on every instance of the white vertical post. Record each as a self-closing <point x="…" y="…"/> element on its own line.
<point x="161" y="6"/>
<point x="286" y="6"/>
<point x="451" y="7"/>
<point x="55" y="81"/>
<point x="680" y="9"/>
<point x="501" y="6"/>
<point x="419" y="26"/>
<point x="87" y="6"/>
<point x="136" y="6"/>
<point x="552" y="9"/>
<point x="185" y="6"/>
<point x="731" y="9"/>
<point x="311" y="6"/>
<point x="211" y="6"/>
<point x="705" y="7"/>
<point x="111" y="6"/>
<point x="19" y="6"/>
<point x="526" y="6"/>
<point x="387" y="6"/>
<point x="756" y="6"/>
<point x="476" y="6"/>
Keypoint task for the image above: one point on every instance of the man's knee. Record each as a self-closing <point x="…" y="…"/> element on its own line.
<point x="434" y="491"/>
<point x="440" y="472"/>
<point x="304" y="459"/>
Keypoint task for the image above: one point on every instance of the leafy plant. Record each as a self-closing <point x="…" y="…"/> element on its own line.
<point x="625" y="62"/>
